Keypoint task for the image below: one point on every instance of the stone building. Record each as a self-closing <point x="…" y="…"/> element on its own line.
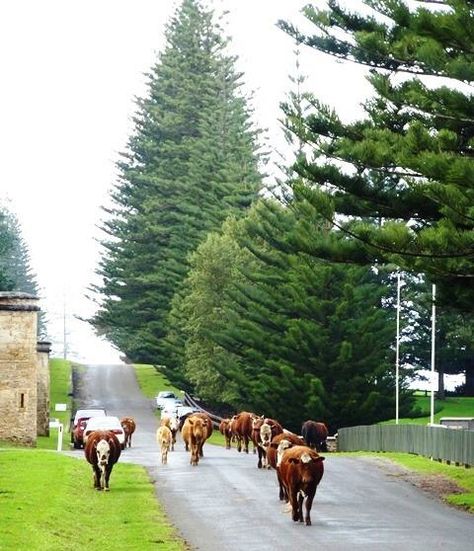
<point x="18" y="367"/>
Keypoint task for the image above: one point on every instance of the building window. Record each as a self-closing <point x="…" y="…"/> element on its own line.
<point x="22" y="400"/>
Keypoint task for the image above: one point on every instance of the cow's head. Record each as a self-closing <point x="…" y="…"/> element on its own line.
<point x="103" y="453"/>
<point x="282" y="446"/>
<point x="266" y="434"/>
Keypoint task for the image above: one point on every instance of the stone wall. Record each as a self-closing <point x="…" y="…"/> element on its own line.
<point x="18" y="367"/>
<point x="43" y="349"/>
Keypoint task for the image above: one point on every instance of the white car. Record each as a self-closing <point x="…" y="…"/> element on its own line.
<point x="184" y="410"/>
<point x="106" y="422"/>
<point x="167" y="398"/>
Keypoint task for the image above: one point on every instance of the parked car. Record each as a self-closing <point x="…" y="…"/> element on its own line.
<point x="79" y="422"/>
<point x="166" y="398"/>
<point x="106" y="422"/>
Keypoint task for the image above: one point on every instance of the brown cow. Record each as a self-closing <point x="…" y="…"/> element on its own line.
<point x="164" y="438"/>
<point x="194" y="434"/>
<point x="241" y="427"/>
<point x="102" y="451"/>
<point x="224" y="429"/>
<point x="129" y="426"/>
<point x="208" y="427"/>
<point x="301" y="470"/>
<point x="315" y="435"/>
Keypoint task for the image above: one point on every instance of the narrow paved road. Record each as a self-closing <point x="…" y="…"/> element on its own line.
<point x="227" y="504"/>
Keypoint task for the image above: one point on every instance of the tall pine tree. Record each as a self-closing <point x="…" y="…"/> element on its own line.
<point x="190" y="163"/>
<point x="398" y="185"/>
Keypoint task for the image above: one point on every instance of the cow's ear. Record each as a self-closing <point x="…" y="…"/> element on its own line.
<point x="319" y="458"/>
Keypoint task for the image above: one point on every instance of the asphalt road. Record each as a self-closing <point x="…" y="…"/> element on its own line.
<point x="227" y="504"/>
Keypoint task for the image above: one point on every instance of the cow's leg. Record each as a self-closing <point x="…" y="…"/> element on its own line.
<point x="301" y="497"/>
<point x="108" y="470"/>
<point x="96" y="470"/>
<point x="308" y="504"/>
<point x="103" y="470"/>
<point x="239" y="443"/>
<point x="283" y="496"/>
<point x="246" y="444"/>
<point x="293" y="496"/>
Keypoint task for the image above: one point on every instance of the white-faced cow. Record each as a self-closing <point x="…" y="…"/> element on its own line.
<point x="102" y="451"/>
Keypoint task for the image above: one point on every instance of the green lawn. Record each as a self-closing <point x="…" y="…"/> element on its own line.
<point x="60" y="387"/>
<point x="450" y="407"/>
<point x="151" y="381"/>
<point x="47" y="503"/>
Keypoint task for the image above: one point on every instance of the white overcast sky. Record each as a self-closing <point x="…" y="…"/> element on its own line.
<point x="70" y="71"/>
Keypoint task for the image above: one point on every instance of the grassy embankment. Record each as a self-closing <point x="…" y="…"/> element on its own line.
<point x="450" y="407"/>
<point x="152" y="381"/>
<point x="47" y="502"/>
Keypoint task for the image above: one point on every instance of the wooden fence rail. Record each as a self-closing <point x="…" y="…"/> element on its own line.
<point x="440" y="443"/>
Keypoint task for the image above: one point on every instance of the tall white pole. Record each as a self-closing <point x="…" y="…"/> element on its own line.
<point x="397" y="352"/>
<point x="433" y="340"/>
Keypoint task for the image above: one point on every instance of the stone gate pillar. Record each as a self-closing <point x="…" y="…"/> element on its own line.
<point x="18" y="367"/>
<point x="43" y="348"/>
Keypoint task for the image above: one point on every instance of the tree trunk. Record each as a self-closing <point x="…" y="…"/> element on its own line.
<point x="441" y="394"/>
<point x="469" y="387"/>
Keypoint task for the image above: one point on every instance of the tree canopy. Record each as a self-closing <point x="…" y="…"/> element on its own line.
<point x="397" y="186"/>
<point x="190" y="163"/>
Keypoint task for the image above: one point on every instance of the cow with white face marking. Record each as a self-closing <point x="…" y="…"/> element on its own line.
<point x="102" y="451"/>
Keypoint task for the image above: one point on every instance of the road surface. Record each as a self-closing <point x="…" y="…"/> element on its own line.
<point x="227" y="504"/>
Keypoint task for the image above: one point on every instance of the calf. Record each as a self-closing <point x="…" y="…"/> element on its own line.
<point x="301" y="470"/>
<point x="315" y="435"/>
<point x="129" y="426"/>
<point x="102" y="451"/>
<point x="194" y="434"/>
<point x="174" y="431"/>
<point x="224" y="429"/>
<point x="164" y="438"/>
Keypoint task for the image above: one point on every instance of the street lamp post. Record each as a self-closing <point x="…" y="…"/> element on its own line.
<point x="433" y="341"/>
<point x="397" y="352"/>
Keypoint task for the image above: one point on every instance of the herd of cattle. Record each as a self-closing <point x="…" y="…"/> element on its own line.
<point x="296" y="460"/>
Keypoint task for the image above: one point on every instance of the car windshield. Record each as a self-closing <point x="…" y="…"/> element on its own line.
<point x="105" y="422"/>
<point x="166" y="394"/>
<point x="88" y="413"/>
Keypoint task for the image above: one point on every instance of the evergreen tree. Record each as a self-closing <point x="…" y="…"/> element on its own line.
<point x="16" y="273"/>
<point x="191" y="162"/>
<point x="285" y="335"/>
<point x="398" y="185"/>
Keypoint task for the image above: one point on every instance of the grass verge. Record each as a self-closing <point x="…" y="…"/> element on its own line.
<point x="450" y="407"/>
<point x="47" y="502"/>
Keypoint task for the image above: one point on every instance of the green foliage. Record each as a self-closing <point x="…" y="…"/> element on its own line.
<point x="42" y="516"/>
<point x="190" y="163"/>
<point x="403" y="176"/>
<point x="285" y="336"/>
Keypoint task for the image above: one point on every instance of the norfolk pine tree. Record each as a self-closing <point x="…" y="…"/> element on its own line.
<point x="407" y="197"/>
<point x="190" y="163"/>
